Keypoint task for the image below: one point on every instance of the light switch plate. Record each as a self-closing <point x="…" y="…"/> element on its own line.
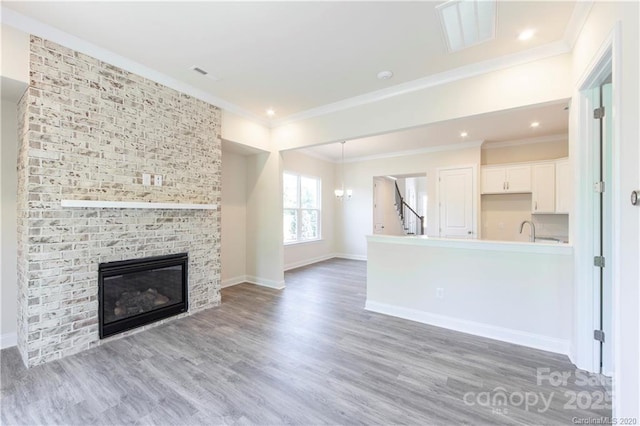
<point x="146" y="179"/>
<point x="157" y="180"/>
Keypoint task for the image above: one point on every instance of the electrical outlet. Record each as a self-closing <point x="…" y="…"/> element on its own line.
<point x="440" y="293"/>
<point x="157" y="180"/>
<point x="146" y="179"/>
<point x="500" y="225"/>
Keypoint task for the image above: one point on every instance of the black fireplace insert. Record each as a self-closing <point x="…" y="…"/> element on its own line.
<point x="136" y="292"/>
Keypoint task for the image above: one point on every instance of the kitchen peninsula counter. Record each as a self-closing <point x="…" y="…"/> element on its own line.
<point x="517" y="292"/>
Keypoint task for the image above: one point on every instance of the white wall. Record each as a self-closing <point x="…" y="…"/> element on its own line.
<point x="527" y="152"/>
<point x="600" y="25"/>
<point x="296" y="255"/>
<point x="8" y="221"/>
<point x="507" y="291"/>
<point x="357" y="214"/>
<point x="14" y="57"/>
<point x="262" y="181"/>
<point x="234" y="218"/>
<point x="243" y="131"/>
<point x="265" y="253"/>
<point x="14" y="72"/>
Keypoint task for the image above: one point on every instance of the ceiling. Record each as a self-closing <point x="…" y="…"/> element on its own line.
<point x="504" y="126"/>
<point x="293" y="56"/>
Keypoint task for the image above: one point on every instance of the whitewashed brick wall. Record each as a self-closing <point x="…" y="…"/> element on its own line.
<point x="88" y="131"/>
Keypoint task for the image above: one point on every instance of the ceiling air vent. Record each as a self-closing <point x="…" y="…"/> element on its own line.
<point x="204" y="73"/>
<point x="200" y="70"/>
<point x="467" y="22"/>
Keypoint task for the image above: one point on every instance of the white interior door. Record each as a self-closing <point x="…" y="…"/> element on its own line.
<point x="456" y="198"/>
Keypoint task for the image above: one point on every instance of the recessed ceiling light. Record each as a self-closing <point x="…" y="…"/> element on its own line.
<point x="270" y="112"/>
<point x="526" y="35"/>
<point x="535" y="124"/>
<point x="464" y="134"/>
<point x="385" y="75"/>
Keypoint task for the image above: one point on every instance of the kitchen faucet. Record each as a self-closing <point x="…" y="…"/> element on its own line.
<point x="532" y="236"/>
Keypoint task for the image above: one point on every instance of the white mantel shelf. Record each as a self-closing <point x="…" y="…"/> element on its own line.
<point x="134" y="205"/>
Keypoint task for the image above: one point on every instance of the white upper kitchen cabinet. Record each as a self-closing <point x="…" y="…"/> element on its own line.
<point x="506" y="179"/>
<point x="519" y="178"/>
<point x="493" y="180"/>
<point x="543" y="199"/>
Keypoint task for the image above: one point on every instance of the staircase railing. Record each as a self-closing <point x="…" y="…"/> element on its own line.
<point x="412" y="222"/>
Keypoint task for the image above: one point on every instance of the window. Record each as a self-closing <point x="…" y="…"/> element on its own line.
<point x="301" y="210"/>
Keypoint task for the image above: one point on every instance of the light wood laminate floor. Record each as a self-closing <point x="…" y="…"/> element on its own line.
<point x="309" y="354"/>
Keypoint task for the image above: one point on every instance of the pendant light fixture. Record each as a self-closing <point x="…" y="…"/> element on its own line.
<point x="341" y="193"/>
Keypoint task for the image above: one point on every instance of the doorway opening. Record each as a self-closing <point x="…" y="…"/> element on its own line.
<point x="400" y="204"/>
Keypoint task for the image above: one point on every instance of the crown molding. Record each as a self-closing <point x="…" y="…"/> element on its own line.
<point x="428" y="150"/>
<point x="561" y="137"/>
<point x="32" y="26"/>
<point x="576" y="22"/>
<point x="310" y="153"/>
<point x="578" y="18"/>
<point x="450" y="147"/>
<point x="461" y="73"/>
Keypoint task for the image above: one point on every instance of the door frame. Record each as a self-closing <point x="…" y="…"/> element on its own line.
<point x="376" y="201"/>
<point x="474" y="195"/>
<point x="585" y="351"/>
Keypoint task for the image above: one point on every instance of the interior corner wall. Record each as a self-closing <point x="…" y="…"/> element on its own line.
<point x="246" y="132"/>
<point x="265" y="253"/>
<point x="9" y="249"/>
<point x="14" y="53"/>
<point x="603" y="20"/>
<point x="233" y="248"/>
<point x="301" y="254"/>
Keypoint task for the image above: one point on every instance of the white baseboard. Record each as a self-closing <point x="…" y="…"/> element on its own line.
<point x="517" y="337"/>
<point x="263" y="282"/>
<point x="8" y="340"/>
<point x="351" y="256"/>
<point x="233" y="281"/>
<point x="306" y="262"/>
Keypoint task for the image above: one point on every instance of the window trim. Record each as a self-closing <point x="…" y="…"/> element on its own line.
<point x="299" y="209"/>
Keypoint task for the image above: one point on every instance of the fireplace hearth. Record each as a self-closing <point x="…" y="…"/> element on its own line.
<point x="136" y="292"/>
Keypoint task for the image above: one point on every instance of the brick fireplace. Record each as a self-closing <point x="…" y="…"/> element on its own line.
<point x="88" y="131"/>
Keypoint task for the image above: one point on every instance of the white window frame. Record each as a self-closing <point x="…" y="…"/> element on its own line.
<point x="299" y="210"/>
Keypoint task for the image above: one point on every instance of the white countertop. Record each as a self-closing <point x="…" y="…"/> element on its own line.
<point x="469" y="244"/>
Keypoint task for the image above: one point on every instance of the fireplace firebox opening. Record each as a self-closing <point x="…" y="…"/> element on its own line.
<point x="132" y="293"/>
